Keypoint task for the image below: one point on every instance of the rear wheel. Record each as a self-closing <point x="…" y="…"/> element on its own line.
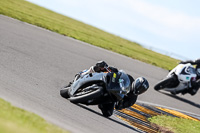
<point x="106" y="109"/>
<point x="195" y="87"/>
<point x="164" y="83"/>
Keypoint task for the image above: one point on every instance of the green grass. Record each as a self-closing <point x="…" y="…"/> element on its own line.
<point x="177" y="125"/>
<point x="42" y="17"/>
<point x="15" y="120"/>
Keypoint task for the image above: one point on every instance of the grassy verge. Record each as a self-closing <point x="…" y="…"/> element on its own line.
<point x="176" y="125"/>
<point x="15" y="120"/>
<point x="42" y="17"/>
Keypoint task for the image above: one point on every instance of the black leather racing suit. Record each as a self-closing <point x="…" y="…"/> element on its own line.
<point x="128" y="100"/>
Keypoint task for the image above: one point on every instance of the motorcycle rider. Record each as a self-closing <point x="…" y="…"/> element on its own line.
<point x="195" y="84"/>
<point x="139" y="86"/>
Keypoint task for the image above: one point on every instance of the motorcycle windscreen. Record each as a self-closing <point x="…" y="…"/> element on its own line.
<point x="187" y="74"/>
<point x="124" y="82"/>
<point x="118" y="84"/>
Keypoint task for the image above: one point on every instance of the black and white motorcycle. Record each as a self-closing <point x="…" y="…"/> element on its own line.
<point x="102" y="89"/>
<point x="178" y="79"/>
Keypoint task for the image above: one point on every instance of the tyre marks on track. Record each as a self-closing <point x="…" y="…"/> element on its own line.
<point x="138" y="114"/>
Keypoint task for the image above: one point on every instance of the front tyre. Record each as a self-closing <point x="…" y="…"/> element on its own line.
<point x="164" y="83"/>
<point x="64" y="92"/>
<point x="85" y="95"/>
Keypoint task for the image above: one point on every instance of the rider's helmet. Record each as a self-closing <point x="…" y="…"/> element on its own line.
<point x="140" y="85"/>
<point x="197" y="61"/>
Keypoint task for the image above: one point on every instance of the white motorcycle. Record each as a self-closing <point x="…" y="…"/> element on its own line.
<point x="178" y="79"/>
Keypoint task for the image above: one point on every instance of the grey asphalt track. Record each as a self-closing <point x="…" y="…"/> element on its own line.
<point x="35" y="63"/>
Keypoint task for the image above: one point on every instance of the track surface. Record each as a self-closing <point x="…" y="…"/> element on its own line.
<point x="35" y="63"/>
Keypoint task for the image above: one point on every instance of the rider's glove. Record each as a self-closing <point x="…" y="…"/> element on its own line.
<point x="197" y="61"/>
<point x="100" y="66"/>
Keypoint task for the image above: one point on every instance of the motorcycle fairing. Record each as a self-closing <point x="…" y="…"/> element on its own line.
<point x="185" y="73"/>
<point x="92" y="77"/>
<point x="113" y="85"/>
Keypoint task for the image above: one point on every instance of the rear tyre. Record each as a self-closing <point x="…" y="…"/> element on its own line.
<point x="106" y="109"/>
<point x="192" y="91"/>
<point x="64" y="92"/>
<point x="164" y="83"/>
<point x="195" y="87"/>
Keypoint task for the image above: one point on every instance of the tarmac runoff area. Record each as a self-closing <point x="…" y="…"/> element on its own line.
<point x="138" y="114"/>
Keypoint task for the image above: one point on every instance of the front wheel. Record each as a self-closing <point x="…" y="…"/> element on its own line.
<point x="164" y="83"/>
<point x="64" y="92"/>
<point x="87" y="94"/>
